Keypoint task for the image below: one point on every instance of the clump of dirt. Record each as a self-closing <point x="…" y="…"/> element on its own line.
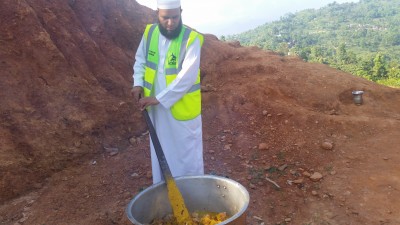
<point x="74" y="148"/>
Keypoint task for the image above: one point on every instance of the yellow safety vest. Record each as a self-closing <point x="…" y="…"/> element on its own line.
<point x="189" y="106"/>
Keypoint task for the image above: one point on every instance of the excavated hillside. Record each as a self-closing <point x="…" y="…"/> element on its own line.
<point x="74" y="147"/>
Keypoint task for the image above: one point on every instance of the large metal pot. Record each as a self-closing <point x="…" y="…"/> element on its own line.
<point x="201" y="193"/>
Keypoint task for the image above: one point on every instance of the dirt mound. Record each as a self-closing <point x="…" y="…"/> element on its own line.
<point x="66" y="74"/>
<point x="72" y="139"/>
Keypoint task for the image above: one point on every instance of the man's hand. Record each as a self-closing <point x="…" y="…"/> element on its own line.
<point x="137" y="92"/>
<point x="147" y="101"/>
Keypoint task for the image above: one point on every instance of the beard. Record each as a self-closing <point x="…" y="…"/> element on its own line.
<point x="170" y="34"/>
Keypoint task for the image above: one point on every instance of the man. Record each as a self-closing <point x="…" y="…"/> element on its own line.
<point x="167" y="84"/>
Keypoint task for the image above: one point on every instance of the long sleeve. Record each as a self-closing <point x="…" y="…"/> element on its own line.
<point x="139" y="66"/>
<point x="185" y="79"/>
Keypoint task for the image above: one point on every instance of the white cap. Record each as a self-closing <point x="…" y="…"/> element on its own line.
<point x="168" y="4"/>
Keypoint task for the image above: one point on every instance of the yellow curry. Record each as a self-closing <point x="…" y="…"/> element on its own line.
<point x="198" y="218"/>
<point x="181" y="214"/>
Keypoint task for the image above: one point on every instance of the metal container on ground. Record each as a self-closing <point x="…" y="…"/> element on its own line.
<point x="206" y="193"/>
<point x="357" y="97"/>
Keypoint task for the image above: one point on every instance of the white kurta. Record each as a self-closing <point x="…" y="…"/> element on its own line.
<point x="181" y="141"/>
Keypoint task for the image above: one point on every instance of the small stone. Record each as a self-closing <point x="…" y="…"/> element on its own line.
<point x="252" y="186"/>
<point x="315" y="193"/>
<point x="265" y="112"/>
<point x="327" y="145"/>
<point x="283" y="167"/>
<point x="288" y="219"/>
<point x="114" y="153"/>
<point x="133" y="141"/>
<point x="316" y="176"/>
<point x="149" y="174"/>
<point x="263" y="146"/>
<point x="135" y="175"/>
<point x="298" y="181"/>
<point x="227" y="147"/>
<point x="333" y="172"/>
<point x="306" y="174"/>
<point x="258" y="218"/>
<point x="23" y="219"/>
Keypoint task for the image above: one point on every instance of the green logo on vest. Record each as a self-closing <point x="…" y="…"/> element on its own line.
<point x="152" y="53"/>
<point x="172" y="59"/>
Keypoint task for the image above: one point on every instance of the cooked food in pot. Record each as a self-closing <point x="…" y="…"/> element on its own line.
<point x="199" y="218"/>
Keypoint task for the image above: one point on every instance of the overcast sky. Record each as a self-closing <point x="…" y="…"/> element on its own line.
<point x="224" y="17"/>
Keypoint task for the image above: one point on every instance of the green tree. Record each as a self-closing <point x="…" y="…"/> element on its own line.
<point x="283" y="48"/>
<point x="379" y="70"/>
<point x="342" y="54"/>
<point x="364" y="68"/>
<point x="394" y="70"/>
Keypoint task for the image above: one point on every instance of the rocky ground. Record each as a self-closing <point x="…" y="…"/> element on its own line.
<point x="74" y="147"/>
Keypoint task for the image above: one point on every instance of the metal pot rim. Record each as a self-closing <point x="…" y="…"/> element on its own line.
<point x="358" y="92"/>
<point x="232" y="218"/>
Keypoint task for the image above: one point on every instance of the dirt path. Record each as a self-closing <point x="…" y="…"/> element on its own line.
<point x="366" y="185"/>
<point x="360" y="186"/>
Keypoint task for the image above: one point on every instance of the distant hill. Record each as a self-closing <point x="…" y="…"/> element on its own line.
<point x="361" y="38"/>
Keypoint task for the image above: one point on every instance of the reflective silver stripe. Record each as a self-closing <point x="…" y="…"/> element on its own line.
<point x="171" y="71"/>
<point x="151" y="65"/>
<point x="194" y="88"/>
<point x="183" y="47"/>
<point x="148" y="85"/>
<point x="151" y="30"/>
